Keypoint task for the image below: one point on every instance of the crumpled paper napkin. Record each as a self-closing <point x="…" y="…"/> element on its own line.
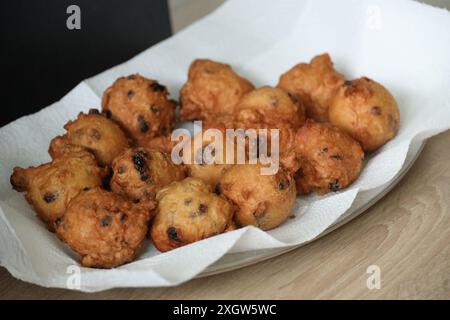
<point x="402" y="44"/>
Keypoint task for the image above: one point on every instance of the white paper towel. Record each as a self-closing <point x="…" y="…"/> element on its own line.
<point x="402" y="44"/>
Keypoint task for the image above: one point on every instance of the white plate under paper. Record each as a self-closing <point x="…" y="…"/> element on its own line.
<point x="233" y="261"/>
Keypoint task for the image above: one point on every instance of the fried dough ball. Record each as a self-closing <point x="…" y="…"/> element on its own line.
<point x="140" y="106"/>
<point x="208" y="173"/>
<point x="205" y="167"/>
<point x="188" y="211"/>
<point x="160" y="143"/>
<point x="367" y="111"/>
<point x="213" y="89"/>
<point x="269" y="107"/>
<point x="141" y="172"/>
<point x="273" y="108"/>
<point x="329" y="158"/>
<point x="50" y="186"/>
<point x="264" y="201"/>
<point x="221" y="123"/>
<point x="94" y="132"/>
<point x="104" y="229"/>
<point x="314" y="84"/>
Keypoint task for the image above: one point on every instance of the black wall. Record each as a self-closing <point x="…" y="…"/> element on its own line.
<point x="41" y="59"/>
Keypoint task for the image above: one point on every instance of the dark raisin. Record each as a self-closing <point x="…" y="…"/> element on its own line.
<point x="136" y="200"/>
<point x="155" y="86"/>
<point x="347" y="83"/>
<point x="130" y="94"/>
<point x="86" y="189"/>
<point x="123" y="217"/>
<point x="172" y="233"/>
<point x="106" y="221"/>
<point x="155" y="108"/>
<point x="108" y="113"/>
<point x="163" y="130"/>
<point x="217" y="189"/>
<point x="142" y="124"/>
<point x="140" y="164"/>
<point x="93" y="111"/>
<point x="334" y="185"/>
<point x="95" y="134"/>
<point x="283" y="184"/>
<point x="50" y="197"/>
<point x="139" y="160"/>
<point x="376" y="110"/>
<point x="299" y="174"/>
<point x="187" y="201"/>
<point x="323" y="151"/>
<point x="202" y="208"/>
<point x="336" y="157"/>
<point x="131" y="77"/>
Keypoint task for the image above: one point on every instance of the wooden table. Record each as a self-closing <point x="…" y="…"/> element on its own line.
<point x="407" y="234"/>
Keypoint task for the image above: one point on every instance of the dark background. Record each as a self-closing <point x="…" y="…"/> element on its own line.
<point x="41" y="59"/>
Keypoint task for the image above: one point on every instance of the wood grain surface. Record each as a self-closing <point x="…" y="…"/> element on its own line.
<point x="406" y="234"/>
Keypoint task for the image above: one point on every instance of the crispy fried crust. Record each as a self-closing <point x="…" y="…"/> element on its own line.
<point x="94" y="132"/>
<point x="105" y="229"/>
<point x="139" y="173"/>
<point x="213" y="89"/>
<point x="264" y="201"/>
<point x="273" y="108"/>
<point x="269" y="107"/>
<point x="209" y="165"/>
<point x="160" y="143"/>
<point x="188" y="211"/>
<point x="314" y="84"/>
<point x="329" y="158"/>
<point x="367" y="111"/>
<point x="140" y="106"/>
<point x="51" y="186"/>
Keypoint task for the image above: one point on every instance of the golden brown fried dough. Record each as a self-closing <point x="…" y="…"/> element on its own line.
<point x="273" y="108"/>
<point x="329" y="158"/>
<point x="160" y="143"/>
<point x="314" y="84"/>
<point x="209" y="168"/>
<point x="264" y="201"/>
<point x="94" y="132"/>
<point x="268" y="107"/>
<point x="367" y="111"/>
<point x="139" y="173"/>
<point x="105" y="229"/>
<point x="60" y="146"/>
<point x="140" y="106"/>
<point x="188" y="211"/>
<point x="212" y="90"/>
<point x="50" y="187"/>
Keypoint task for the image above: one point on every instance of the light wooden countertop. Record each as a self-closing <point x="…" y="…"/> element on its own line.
<point x="407" y="234"/>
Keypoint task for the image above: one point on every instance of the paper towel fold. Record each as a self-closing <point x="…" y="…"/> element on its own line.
<point x="402" y="44"/>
